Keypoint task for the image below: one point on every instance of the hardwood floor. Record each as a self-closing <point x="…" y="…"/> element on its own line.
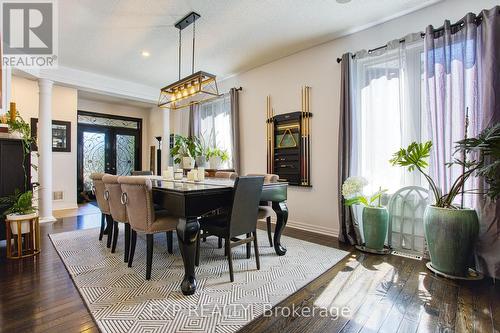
<point x="380" y="294"/>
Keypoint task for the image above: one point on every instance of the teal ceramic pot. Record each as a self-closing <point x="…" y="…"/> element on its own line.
<point x="450" y="235"/>
<point x="375" y="221"/>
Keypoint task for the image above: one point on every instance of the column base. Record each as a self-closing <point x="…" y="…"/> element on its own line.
<point x="47" y="219"/>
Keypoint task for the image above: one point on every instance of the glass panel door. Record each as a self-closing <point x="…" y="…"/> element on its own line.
<point x="125" y="154"/>
<point x="94" y="156"/>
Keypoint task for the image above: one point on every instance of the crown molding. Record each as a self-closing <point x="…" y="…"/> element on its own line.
<point x="92" y="82"/>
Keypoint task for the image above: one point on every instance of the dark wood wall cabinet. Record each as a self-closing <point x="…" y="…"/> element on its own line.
<point x="12" y="172"/>
<point x="290" y="149"/>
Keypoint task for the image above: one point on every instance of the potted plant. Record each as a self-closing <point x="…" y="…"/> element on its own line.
<point x="19" y="208"/>
<point x="216" y="157"/>
<point x="374" y="217"/>
<point x="202" y="150"/>
<point x="451" y="229"/>
<point x="184" y="151"/>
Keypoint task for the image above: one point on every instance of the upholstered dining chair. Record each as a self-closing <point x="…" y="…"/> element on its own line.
<point x="226" y="174"/>
<point x="266" y="211"/>
<point x="137" y="196"/>
<point x="103" y="204"/>
<point x="240" y="220"/>
<point x="113" y="193"/>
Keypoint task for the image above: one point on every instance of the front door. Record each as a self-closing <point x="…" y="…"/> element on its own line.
<point x="107" y="149"/>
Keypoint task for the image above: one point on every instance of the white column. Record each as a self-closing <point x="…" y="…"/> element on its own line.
<point x="45" y="150"/>
<point x="165" y="147"/>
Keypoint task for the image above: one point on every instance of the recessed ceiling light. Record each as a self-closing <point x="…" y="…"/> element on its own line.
<point x="343" y="1"/>
<point x="145" y="54"/>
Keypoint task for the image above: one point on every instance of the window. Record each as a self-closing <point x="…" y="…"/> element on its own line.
<point x="215" y="125"/>
<point x="388" y="114"/>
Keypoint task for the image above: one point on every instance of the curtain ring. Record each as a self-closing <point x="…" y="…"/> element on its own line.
<point x="124" y="198"/>
<point x="106" y="195"/>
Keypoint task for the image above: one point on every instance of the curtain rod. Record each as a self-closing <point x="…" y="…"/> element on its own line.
<point x="460" y="23"/>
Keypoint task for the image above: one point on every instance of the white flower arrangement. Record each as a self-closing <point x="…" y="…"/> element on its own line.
<point x="352" y="191"/>
<point x="353" y="186"/>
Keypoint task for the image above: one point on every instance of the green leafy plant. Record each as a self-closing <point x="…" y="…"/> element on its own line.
<point x="183" y="147"/>
<point x="18" y="203"/>
<point x="352" y="191"/>
<point x="201" y="146"/>
<point x="216" y="152"/>
<point x="487" y="164"/>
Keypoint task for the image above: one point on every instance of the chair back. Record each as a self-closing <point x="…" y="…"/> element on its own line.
<point x="98" y="189"/>
<point x="142" y="173"/>
<point x="247" y="192"/>
<point x="268" y="177"/>
<point x="113" y="193"/>
<point x="138" y="198"/>
<point x="226" y="174"/>
<point x="406" y="227"/>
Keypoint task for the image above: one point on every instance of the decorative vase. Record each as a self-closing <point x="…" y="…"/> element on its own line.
<point x="375" y="222"/>
<point x="25" y="224"/>
<point x="187" y="162"/>
<point x="13" y="112"/>
<point x="215" y="162"/>
<point x="201" y="161"/>
<point x="450" y="236"/>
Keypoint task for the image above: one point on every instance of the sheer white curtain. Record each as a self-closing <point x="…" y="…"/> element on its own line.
<point x="215" y="125"/>
<point x="387" y="93"/>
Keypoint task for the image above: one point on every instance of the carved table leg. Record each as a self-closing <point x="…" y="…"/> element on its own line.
<point x="281" y="211"/>
<point x="187" y="231"/>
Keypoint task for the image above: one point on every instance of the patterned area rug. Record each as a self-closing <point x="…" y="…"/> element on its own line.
<point x="121" y="300"/>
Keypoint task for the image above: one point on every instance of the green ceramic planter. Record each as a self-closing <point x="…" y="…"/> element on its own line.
<point x="375" y="221"/>
<point x="450" y="235"/>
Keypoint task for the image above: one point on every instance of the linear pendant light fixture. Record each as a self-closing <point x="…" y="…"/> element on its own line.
<point x="194" y="88"/>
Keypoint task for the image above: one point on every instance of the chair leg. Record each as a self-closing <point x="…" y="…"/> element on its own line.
<point x="220" y="243"/>
<point x="109" y="230"/>
<point x="229" y="259"/>
<point x="127" y="242"/>
<point x="197" y="258"/>
<point x="256" y="248"/>
<point x="149" y="255"/>
<point x="248" y="247"/>
<point x="225" y="248"/>
<point x="133" y="240"/>
<point x="115" y="236"/>
<point x="269" y="236"/>
<point x="170" y="246"/>
<point x="101" y="232"/>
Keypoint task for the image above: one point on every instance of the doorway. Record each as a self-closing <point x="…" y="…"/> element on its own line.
<point x="106" y="143"/>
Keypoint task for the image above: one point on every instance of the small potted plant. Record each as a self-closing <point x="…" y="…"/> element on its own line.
<point x="19" y="208"/>
<point x="450" y="228"/>
<point x="375" y="217"/>
<point x="184" y="151"/>
<point x="216" y="157"/>
<point x="202" y="150"/>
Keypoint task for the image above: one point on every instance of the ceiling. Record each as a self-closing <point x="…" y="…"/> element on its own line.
<point x="107" y="37"/>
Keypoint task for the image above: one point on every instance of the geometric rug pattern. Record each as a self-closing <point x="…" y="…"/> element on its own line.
<point x="120" y="299"/>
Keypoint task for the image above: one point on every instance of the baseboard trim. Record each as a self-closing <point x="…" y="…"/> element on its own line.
<point x="47" y="219"/>
<point x="310" y="228"/>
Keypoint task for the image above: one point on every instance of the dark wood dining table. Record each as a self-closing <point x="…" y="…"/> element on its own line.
<point x="190" y="200"/>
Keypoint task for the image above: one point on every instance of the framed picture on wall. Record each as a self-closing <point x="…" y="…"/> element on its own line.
<point x="61" y="135"/>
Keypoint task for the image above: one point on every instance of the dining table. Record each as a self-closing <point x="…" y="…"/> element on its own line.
<point x="190" y="200"/>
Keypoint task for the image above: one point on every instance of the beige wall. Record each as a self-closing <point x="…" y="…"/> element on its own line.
<point x="64" y="104"/>
<point x="316" y="209"/>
